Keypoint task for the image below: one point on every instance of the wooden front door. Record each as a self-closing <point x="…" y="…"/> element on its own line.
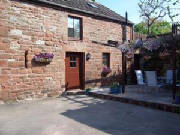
<point x="74" y="70"/>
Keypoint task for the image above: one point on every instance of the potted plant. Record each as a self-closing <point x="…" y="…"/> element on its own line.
<point x="106" y="70"/>
<point x="115" y="88"/>
<point x="88" y="90"/>
<point x="44" y="57"/>
<point x="178" y="97"/>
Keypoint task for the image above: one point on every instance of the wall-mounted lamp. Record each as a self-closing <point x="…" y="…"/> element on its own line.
<point x="88" y="56"/>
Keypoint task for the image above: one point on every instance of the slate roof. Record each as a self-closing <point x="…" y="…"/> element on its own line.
<point x="84" y="6"/>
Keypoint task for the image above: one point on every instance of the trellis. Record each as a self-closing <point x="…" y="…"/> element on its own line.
<point x="167" y="40"/>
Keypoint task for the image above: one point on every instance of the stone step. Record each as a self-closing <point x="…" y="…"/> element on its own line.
<point x="74" y="92"/>
<point x="154" y="105"/>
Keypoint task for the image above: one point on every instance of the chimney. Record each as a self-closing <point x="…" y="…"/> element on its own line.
<point x="124" y="29"/>
<point x="126" y="15"/>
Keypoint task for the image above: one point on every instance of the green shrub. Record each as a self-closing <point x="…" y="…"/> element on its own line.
<point x="115" y="85"/>
<point x="88" y="89"/>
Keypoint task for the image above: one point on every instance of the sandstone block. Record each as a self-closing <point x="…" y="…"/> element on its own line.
<point x="3" y="63"/>
<point x="15" y="46"/>
<point x="3" y="31"/>
<point x="37" y="70"/>
<point x="15" y="32"/>
<point x="40" y="42"/>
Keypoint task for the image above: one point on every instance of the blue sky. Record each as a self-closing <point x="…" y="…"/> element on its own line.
<point x="121" y="6"/>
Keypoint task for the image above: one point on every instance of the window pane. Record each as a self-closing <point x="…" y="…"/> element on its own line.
<point x="124" y="33"/>
<point x="76" y="33"/>
<point x="104" y="62"/>
<point x="70" y="22"/>
<point x="106" y="59"/>
<point x="76" y="24"/>
<point x="72" y="64"/>
<point x="70" y="32"/>
<point x="73" y="58"/>
<point x="77" y="28"/>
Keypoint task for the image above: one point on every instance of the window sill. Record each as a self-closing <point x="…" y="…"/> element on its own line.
<point x="74" y="39"/>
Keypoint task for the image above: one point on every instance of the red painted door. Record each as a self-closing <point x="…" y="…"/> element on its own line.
<point x="72" y="63"/>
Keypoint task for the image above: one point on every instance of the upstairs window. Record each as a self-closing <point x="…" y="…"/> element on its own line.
<point x="106" y="59"/>
<point x="74" y="28"/>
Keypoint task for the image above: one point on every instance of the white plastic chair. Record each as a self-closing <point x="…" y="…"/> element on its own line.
<point x="151" y="77"/>
<point x="140" y="80"/>
<point x="169" y="76"/>
<point x="139" y="77"/>
<point x="152" y="82"/>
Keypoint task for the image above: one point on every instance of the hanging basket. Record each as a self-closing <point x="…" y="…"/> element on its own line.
<point x="44" y="57"/>
<point x="106" y="71"/>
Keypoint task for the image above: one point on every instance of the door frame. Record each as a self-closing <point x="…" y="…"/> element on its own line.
<point x="81" y="69"/>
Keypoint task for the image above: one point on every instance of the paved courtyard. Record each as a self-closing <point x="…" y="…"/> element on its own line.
<point x="81" y="115"/>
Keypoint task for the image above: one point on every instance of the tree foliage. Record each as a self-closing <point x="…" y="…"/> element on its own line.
<point x="141" y="28"/>
<point x="157" y="9"/>
<point x="159" y="27"/>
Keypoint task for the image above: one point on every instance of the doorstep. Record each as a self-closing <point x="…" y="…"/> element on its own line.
<point x="160" y="106"/>
<point x="74" y="92"/>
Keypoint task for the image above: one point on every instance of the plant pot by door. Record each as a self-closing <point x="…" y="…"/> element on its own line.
<point x="115" y="90"/>
<point x="178" y="99"/>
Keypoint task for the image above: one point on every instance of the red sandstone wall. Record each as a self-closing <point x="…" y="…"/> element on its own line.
<point x="32" y="28"/>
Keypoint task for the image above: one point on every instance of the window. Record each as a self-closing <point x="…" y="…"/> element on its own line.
<point x="92" y="5"/>
<point x="72" y="61"/>
<point x="124" y="38"/>
<point x="74" y="28"/>
<point x="106" y="59"/>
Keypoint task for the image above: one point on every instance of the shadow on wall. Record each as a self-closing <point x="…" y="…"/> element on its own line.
<point x="38" y="64"/>
<point x="105" y="81"/>
<point x="108" y="81"/>
<point x="108" y="117"/>
<point x="115" y="77"/>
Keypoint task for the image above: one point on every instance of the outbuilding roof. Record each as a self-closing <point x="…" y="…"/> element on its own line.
<point x="88" y="7"/>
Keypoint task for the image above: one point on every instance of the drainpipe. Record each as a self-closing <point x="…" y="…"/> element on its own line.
<point x="124" y="57"/>
<point x="174" y="32"/>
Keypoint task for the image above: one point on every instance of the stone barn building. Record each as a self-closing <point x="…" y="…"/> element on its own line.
<point x="81" y="34"/>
